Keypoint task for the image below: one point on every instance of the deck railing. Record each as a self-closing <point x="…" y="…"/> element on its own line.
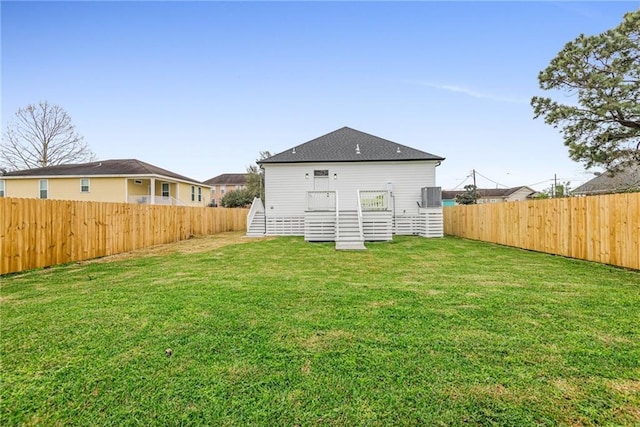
<point x="321" y="201"/>
<point x="337" y="217"/>
<point x="374" y="200"/>
<point x="360" y="218"/>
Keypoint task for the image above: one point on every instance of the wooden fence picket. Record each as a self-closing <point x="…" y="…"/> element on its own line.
<point x="603" y="228"/>
<point x="38" y="233"/>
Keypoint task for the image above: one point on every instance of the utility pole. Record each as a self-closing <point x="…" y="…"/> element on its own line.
<point x="475" y="188"/>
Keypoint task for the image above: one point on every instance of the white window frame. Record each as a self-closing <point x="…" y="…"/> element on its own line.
<point x="162" y="192"/>
<point x="199" y="194"/>
<point x="45" y="189"/>
<point x="193" y="193"/>
<point x="88" y="185"/>
<point x="223" y="188"/>
<point x="2" y="187"/>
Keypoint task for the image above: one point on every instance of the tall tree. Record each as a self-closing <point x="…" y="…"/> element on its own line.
<point x="603" y="128"/>
<point x="469" y="197"/>
<point x="255" y="176"/>
<point x="42" y="135"/>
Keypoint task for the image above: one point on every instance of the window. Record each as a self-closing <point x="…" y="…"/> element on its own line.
<point x="323" y="173"/>
<point x="238" y="187"/>
<point x="199" y="194"/>
<point x="44" y="188"/>
<point x="84" y="185"/>
<point x="213" y="190"/>
<point x="193" y="193"/>
<point x="222" y="188"/>
<point x="165" y="189"/>
<point x="1" y="187"/>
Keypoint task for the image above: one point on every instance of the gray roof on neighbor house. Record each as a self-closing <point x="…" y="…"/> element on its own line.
<point x="101" y="168"/>
<point x="626" y="180"/>
<point x="228" y="179"/>
<point x="487" y="192"/>
<point x="349" y="145"/>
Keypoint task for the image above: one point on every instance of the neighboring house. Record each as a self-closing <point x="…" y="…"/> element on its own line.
<point x="222" y="184"/>
<point x="627" y="180"/>
<point x="492" y="195"/>
<point x="348" y="186"/>
<point x="125" y="180"/>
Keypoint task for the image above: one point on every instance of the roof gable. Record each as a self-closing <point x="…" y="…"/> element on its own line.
<point x="349" y="145"/>
<point x="101" y="168"/>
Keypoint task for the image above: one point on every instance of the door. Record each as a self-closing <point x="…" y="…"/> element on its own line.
<point x="321" y="180"/>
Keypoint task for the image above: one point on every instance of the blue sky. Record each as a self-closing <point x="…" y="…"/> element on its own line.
<point x="200" y="88"/>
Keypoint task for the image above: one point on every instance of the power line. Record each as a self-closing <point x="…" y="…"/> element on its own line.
<point x="541" y="182"/>
<point x="489" y="179"/>
<point x="463" y="181"/>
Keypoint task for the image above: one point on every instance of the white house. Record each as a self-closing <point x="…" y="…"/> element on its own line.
<point x="349" y="187"/>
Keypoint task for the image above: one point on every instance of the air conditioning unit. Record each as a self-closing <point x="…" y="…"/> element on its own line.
<point x="431" y="197"/>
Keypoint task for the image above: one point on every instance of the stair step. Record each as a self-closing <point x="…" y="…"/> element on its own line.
<point x="350" y="246"/>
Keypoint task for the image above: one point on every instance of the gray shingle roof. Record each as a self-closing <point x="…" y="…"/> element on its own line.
<point x="228" y="179"/>
<point x="102" y="168"/>
<point x="486" y="192"/>
<point x="349" y="145"/>
<point x="626" y="180"/>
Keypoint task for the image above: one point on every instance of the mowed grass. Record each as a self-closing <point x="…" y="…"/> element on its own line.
<point x="282" y="332"/>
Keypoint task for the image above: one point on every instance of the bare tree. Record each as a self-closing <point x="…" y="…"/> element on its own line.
<point x="42" y="135"/>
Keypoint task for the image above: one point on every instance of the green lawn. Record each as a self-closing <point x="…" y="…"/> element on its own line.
<point x="283" y="332"/>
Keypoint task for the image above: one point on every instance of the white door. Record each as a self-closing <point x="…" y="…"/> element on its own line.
<point x="321" y="183"/>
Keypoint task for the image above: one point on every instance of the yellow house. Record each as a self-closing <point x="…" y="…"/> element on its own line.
<point x="121" y="180"/>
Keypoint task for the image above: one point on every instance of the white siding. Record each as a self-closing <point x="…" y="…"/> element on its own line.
<point x="521" y="194"/>
<point x="286" y="185"/>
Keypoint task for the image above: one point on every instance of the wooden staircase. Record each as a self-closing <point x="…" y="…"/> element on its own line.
<point x="349" y="231"/>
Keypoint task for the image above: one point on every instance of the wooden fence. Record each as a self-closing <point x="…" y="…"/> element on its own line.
<point x="38" y="233"/>
<point x="603" y="228"/>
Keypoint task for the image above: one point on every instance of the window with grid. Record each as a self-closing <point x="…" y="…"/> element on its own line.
<point x="44" y="188"/>
<point x="84" y="185"/>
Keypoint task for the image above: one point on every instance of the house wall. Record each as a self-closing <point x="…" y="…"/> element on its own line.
<point x="490" y="199"/>
<point x="521" y="194"/>
<point x="100" y="189"/>
<point x="134" y="189"/>
<point x="286" y="185"/>
<point x="103" y="189"/>
<point x="177" y="190"/>
<point x="184" y="194"/>
<point x="219" y="190"/>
